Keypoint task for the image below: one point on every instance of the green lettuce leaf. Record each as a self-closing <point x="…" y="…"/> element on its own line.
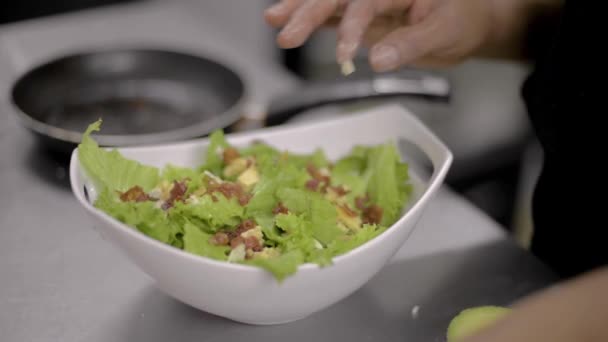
<point x="316" y="209"/>
<point x="346" y="243"/>
<point x="324" y="220"/>
<point x="282" y="266"/>
<point x="175" y="173"/>
<point x="348" y="172"/>
<point x="405" y="187"/>
<point x="351" y="165"/>
<point x="209" y="215"/>
<point x="378" y="172"/>
<point x="196" y="241"/>
<point x="260" y="151"/>
<point x="109" y="169"/>
<point x="317" y="158"/>
<point x="144" y="216"/>
<point x="261" y="204"/>
<point x="386" y="185"/>
<point x="299" y="236"/>
<point x="293" y="223"/>
<point x="264" y="193"/>
<point x="267" y="157"/>
<point x="296" y="200"/>
<point x="214" y="161"/>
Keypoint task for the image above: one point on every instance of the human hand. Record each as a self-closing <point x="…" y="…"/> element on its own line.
<point x="576" y="310"/>
<point x="427" y="33"/>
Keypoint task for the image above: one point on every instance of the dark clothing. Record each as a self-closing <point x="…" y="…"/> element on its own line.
<point x="565" y="97"/>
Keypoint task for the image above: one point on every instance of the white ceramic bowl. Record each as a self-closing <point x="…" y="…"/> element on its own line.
<point x="251" y="295"/>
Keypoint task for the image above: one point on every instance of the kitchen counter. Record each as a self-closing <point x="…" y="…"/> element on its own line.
<point x="60" y="281"/>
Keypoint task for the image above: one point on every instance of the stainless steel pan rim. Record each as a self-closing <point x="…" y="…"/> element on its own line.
<point x="227" y="117"/>
<point x="216" y="91"/>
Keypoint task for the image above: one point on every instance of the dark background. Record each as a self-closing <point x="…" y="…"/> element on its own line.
<point x="28" y="9"/>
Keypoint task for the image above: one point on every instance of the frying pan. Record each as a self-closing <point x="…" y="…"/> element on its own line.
<point x="151" y="96"/>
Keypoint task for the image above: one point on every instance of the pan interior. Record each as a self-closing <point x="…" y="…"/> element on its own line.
<point x="134" y="92"/>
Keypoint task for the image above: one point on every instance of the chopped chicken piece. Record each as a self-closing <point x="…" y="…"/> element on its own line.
<point x="237" y="254"/>
<point x="347" y="67"/>
<point x="348" y="217"/>
<point x="249" y="178"/>
<point x="235" y="167"/>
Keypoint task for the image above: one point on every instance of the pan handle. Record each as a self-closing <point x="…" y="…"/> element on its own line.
<point x="410" y="83"/>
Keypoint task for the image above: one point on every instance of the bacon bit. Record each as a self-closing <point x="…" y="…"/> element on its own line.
<point x="313" y="171"/>
<point x="213" y="198"/>
<point x="280" y="209"/>
<point x="230" y="154"/>
<point x="372" y="214"/>
<point x="316" y="174"/>
<point x="360" y="202"/>
<point x="229" y="190"/>
<point x="253" y="243"/>
<point x="312" y="184"/>
<point x="339" y="190"/>
<point x="241" y="228"/>
<point x="219" y="239"/>
<point x="135" y="194"/>
<point x="348" y="211"/>
<point x="244" y="199"/>
<point x="234" y="243"/>
<point x="177" y="193"/>
<point x="246" y="225"/>
<point x="319" y="177"/>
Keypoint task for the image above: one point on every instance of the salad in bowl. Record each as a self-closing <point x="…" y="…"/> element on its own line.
<point x="257" y="205"/>
<point x="268" y="226"/>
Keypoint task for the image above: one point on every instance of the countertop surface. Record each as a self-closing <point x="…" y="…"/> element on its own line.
<point x="60" y="281"/>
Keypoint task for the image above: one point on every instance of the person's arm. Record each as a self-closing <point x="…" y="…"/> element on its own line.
<point x="575" y="311"/>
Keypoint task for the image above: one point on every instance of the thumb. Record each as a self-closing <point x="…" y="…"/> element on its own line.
<point x="407" y="44"/>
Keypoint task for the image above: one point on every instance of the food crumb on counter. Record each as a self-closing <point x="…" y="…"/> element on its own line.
<point x="415" y="311"/>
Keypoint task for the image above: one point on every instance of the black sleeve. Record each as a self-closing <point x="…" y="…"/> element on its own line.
<point x="565" y="97"/>
<point x="541" y="31"/>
